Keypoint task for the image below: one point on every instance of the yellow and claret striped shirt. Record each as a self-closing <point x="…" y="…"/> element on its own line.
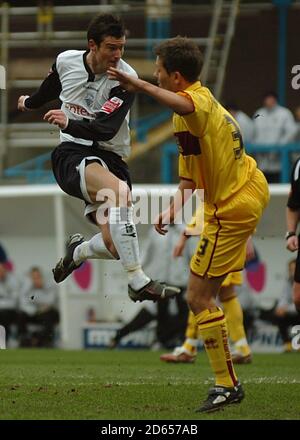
<point x="211" y="151"/>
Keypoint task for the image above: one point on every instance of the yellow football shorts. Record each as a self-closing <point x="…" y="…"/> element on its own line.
<point x="235" y="278"/>
<point x="222" y="245"/>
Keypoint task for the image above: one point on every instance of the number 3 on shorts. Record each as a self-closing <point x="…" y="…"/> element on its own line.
<point x="203" y="246"/>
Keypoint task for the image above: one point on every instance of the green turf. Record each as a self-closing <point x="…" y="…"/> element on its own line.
<point x="123" y="385"/>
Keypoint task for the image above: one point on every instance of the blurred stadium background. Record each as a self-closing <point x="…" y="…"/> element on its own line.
<point x="249" y="47"/>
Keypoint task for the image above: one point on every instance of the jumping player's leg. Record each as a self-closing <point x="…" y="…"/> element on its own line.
<point x="119" y="237"/>
<point x="100" y="246"/>
<point x="104" y="186"/>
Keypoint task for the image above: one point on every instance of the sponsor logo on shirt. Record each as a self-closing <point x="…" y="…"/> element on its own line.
<point x="111" y="105"/>
<point x="78" y="110"/>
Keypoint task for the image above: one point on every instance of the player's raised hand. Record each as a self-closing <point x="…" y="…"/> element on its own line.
<point x="57" y="117"/>
<point x="163" y="219"/>
<point x="159" y="224"/>
<point x="127" y="82"/>
<point x="21" y="103"/>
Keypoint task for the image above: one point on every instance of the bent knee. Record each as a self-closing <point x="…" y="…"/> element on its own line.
<point x="198" y="302"/>
<point x="119" y="195"/>
<point x="227" y="293"/>
<point x="123" y="196"/>
<point x="111" y="247"/>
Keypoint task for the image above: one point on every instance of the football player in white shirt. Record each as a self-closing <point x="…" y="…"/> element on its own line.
<point x="88" y="163"/>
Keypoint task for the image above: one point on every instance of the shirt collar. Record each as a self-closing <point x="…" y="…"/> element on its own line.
<point x="194" y="86"/>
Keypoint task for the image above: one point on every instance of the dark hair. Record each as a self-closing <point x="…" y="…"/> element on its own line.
<point x="105" y="25"/>
<point x="180" y="54"/>
<point x="232" y="106"/>
<point x="271" y="93"/>
<point x="35" y="269"/>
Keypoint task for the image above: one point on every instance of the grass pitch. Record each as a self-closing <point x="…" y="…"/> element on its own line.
<point x="124" y="385"/>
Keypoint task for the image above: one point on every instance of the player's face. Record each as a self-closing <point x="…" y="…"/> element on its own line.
<point x="108" y="53"/>
<point x="270" y="102"/>
<point x="164" y="79"/>
<point x="37" y="279"/>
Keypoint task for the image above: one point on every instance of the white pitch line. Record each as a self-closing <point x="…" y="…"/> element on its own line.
<point x="254" y="380"/>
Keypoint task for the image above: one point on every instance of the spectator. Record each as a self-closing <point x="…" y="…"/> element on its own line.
<point x="171" y="316"/>
<point x="273" y="125"/>
<point x="284" y="313"/>
<point x="8" y="298"/>
<point x="245" y="123"/>
<point x="37" y="306"/>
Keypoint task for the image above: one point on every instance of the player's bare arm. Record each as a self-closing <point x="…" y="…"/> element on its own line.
<point x="179" y="247"/>
<point x="179" y="104"/>
<point x="183" y="193"/>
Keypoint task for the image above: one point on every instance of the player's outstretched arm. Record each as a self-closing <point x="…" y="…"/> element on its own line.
<point x="180" y="104"/>
<point x="48" y="91"/>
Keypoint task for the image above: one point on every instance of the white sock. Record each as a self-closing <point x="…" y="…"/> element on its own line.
<point x="94" y="248"/>
<point x="192" y="342"/>
<point x="240" y="343"/>
<point x="124" y="236"/>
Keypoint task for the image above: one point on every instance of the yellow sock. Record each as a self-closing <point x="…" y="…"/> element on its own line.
<point x="288" y="347"/>
<point x="213" y="331"/>
<point x="191" y="334"/>
<point x="234" y="319"/>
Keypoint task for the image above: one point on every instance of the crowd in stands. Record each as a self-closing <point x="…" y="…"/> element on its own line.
<point x="28" y="306"/>
<point x="271" y="124"/>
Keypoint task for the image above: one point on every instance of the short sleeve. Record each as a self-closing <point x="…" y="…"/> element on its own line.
<point x="197" y="120"/>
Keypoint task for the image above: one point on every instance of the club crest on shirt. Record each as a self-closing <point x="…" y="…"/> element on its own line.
<point x="89" y="100"/>
<point x="111" y="105"/>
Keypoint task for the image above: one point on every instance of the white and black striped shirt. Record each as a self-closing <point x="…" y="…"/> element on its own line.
<point x="97" y="108"/>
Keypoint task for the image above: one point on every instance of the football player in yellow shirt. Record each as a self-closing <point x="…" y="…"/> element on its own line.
<point x="211" y="157"/>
